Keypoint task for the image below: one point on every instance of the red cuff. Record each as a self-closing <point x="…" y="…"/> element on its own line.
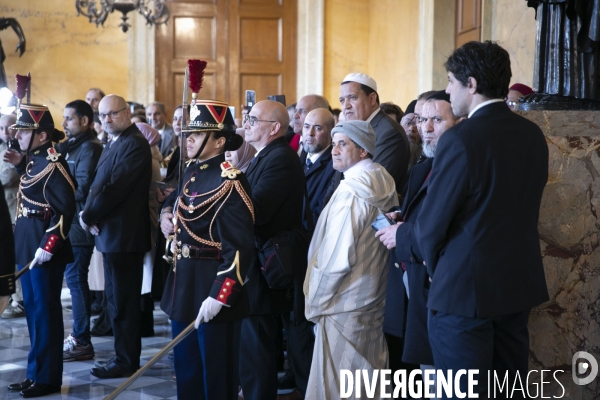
<point x="51" y="241"/>
<point x="226" y="290"/>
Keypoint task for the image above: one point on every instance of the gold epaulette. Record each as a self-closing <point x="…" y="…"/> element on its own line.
<point x="229" y="170"/>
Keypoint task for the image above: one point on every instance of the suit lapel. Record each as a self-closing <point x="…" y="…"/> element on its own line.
<point x="417" y="176"/>
<point x="325" y="157"/>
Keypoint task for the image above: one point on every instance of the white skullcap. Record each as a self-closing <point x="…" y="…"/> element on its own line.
<point x="361" y="78"/>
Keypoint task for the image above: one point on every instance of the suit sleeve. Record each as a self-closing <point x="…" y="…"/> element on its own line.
<point x="236" y="231"/>
<point x="90" y="154"/>
<point x="392" y="152"/>
<point x="407" y="248"/>
<point x="273" y="187"/>
<point x="60" y="195"/>
<point x="447" y="190"/>
<point x="133" y="159"/>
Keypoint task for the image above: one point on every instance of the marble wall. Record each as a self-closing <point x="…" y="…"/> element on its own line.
<point x="65" y="54"/>
<point x="570" y="242"/>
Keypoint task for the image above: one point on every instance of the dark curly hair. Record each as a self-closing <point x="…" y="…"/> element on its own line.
<point x="487" y="62"/>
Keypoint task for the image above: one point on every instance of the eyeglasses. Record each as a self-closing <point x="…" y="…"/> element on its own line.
<point x="253" y="120"/>
<point x="113" y="114"/>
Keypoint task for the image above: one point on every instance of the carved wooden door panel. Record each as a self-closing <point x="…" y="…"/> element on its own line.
<point x="468" y="21"/>
<point x="248" y="44"/>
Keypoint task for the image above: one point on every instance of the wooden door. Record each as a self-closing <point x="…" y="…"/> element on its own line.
<point x="468" y="21"/>
<point x="248" y="44"/>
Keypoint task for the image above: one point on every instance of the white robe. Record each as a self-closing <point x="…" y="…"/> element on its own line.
<point x="346" y="280"/>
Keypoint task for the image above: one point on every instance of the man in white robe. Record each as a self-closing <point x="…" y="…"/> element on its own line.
<point x="347" y="266"/>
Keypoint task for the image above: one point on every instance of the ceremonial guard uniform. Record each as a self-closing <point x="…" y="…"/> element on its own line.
<point x="46" y="206"/>
<point x="213" y="248"/>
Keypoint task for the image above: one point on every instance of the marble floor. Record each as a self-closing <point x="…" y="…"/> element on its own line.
<point x="156" y="384"/>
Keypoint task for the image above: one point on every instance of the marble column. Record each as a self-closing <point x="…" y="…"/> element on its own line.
<point x="570" y="244"/>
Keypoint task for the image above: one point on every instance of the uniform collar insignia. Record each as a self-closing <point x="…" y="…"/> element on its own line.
<point x="204" y="166"/>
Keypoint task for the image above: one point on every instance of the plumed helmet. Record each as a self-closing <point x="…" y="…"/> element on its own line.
<point x="33" y="116"/>
<point x="209" y="116"/>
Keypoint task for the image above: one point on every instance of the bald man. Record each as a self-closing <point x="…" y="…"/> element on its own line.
<point x="277" y="185"/>
<point x="305" y="105"/>
<point x="117" y="212"/>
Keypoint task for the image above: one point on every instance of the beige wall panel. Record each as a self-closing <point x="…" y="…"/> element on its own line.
<point x="346" y="43"/>
<point x="66" y="54"/>
<point x="187" y="44"/>
<point x="514" y="28"/>
<point x="393" y="47"/>
<point x="260" y="39"/>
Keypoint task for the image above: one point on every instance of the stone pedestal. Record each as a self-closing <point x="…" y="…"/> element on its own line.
<point x="570" y="244"/>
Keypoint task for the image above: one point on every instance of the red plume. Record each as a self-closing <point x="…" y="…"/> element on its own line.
<point x="196" y="68"/>
<point x="22" y="85"/>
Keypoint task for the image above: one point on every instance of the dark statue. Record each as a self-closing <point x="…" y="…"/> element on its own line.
<point x="567" y="59"/>
<point x="5" y="23"/>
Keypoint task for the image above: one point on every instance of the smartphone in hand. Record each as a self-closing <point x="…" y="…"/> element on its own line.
<point x="250" y="99"/>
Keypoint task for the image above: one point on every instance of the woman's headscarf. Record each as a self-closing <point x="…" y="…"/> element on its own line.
<point x="245" y="153"/>
<point x="151" y="134"/>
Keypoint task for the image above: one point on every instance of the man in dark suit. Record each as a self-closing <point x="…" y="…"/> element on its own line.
<point x="318" y="171"/>
<point x="116" y="212"/>
<point x="82" y="151"/>
<point x="360" y="101"/>
<point x="405" y="325"/>
<point x="477" y="230"/>
<point x="277" y="185"/>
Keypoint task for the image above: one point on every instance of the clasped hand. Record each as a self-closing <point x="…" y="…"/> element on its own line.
<point x="93" y="229"/>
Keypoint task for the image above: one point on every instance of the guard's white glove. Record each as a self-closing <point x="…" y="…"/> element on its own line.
<point x="4" y="301"/>
<point x="209" y="308"/>
<point x="41" y="256"/>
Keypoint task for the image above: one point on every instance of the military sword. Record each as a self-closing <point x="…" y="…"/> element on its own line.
<point x="23" y="271"/>
<point x="152" y="361"/>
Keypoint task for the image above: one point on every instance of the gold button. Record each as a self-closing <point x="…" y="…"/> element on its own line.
<point x="224" y="290"/>
<point x="396" y="265"/>
<point x="47" y="247"/>
<point x="179" y="256"/>
<point x="228" y="284"/>
<point x="179" y="230"/>
<point x="186" y="191"/>
<point x="221" y="296"/>
<point x="193" y="179"/>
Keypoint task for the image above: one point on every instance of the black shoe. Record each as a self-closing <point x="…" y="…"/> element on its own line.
<point x="112" y="370"/>
<point x="287" y="381"/>
<point x="17" y="387"/>
<point x="102" y="364"/>
<point x="39" y="389"/>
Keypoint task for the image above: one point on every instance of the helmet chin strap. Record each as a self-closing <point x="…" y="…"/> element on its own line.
<point x="206" y="137"/>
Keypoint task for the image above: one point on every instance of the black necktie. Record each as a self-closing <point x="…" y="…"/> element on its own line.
<point x="308" y="164"/>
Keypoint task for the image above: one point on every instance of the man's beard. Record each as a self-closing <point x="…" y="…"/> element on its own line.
<point x="312" y="149"/>
<point x="429" y="149"/>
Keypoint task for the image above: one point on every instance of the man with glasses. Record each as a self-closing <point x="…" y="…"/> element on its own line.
<point x="277" y="185"/>
<point x="117" y="212"/>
